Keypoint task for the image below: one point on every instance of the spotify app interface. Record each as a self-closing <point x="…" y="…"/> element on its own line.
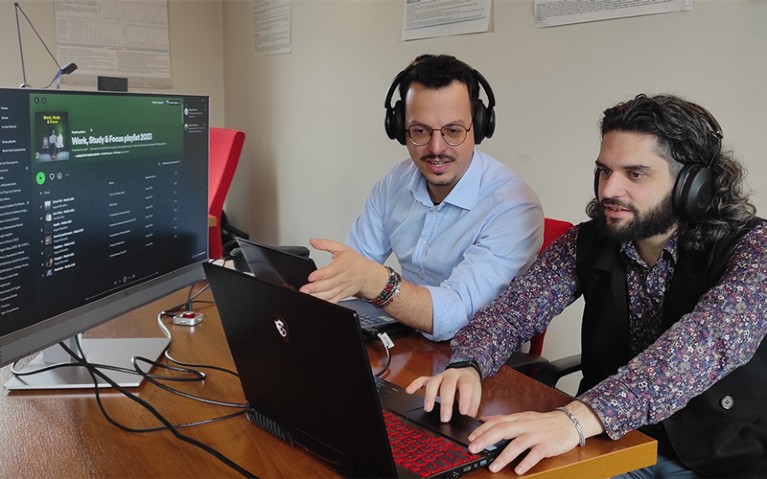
<point x="97" y="192"/>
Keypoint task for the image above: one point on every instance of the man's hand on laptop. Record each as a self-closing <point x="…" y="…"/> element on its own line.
<point x="543" y="434"/>
<point x="349" y="274"/>
<point x="462" y="383"/>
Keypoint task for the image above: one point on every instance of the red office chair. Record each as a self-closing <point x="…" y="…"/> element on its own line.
<point x="529" y="362"/>
<point x="225" y="149"/>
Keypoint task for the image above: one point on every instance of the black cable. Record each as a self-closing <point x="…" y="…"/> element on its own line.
<point x="385" y="342"/>
<point x="43" y="369"/>
<point x="186" y="368"/>
<point x="170" y="427"/>
<point x="154" y="380"/>
<point x="188" y="304"/>
<point x="169" y="335"/>
<point x="194" y="375"/>
<point x="163" y="428"/>
<point x="96" y="370"/>
<point x="199" y="375"/>
<point x="150" y="377"/>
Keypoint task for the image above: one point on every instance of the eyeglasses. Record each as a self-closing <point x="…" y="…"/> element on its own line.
<point x="453" y="135"/>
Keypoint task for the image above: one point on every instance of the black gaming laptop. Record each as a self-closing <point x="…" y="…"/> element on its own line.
<point x="306" y="375"/>
<point x="281" y="267"/>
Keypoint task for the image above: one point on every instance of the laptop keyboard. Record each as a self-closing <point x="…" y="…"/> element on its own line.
<point x="367" y="320"/>
<point x="423" y="452"/>
<point x="383" y="386"/>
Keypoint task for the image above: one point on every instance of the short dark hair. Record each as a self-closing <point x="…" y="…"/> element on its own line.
<point x="438" y="71"/>
<point x="687" y="133"/>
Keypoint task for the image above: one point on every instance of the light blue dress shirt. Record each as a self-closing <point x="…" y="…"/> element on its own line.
<point x="465" y="250"/>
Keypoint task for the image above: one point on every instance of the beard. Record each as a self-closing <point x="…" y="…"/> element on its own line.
<point x="659" y="219"/>
<point x="441" y="179"/>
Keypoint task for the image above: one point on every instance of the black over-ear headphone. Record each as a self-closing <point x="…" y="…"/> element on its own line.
<point x="694" y="185"/>
<point x="483" y="117"/>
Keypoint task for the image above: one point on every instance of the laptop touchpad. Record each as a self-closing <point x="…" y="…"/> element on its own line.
<point x="457" y="429"/>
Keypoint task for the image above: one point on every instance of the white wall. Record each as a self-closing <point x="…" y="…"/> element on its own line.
<point x="196" y="41"/>
<point x="314" y="117"/>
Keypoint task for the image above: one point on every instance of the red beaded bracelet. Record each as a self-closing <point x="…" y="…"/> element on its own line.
<point x="389" y="292"/>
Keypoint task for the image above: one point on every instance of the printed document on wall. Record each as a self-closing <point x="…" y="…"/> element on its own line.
<point x="271" y="27"/>
<point x="550" y="13"/>
<point x="120" y="38"/>
<point x="438" y="18"/>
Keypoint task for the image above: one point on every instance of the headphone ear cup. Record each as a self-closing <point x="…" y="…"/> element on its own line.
<point x="388" y="122"/>
<point x="484" y="122"/>
<point x="693" y="190"/>
<point x="399" y="122"/>
<point x="490" y="125"/>
<point x="479" y="121"/>
<point x="484" y="116"/>
<point x="596" y="184"/>
<point x="395" y="122"/>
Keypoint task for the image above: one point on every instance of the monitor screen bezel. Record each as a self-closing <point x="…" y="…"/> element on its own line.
<point x="46" y="332"/>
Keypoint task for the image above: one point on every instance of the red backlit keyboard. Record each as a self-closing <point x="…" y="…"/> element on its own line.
<point x="421" y="451"/>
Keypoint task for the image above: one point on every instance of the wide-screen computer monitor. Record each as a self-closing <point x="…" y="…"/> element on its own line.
<point x="103" y="208"/>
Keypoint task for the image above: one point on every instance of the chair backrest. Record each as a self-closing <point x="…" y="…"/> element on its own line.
<point x="552" y="229"/>
<point x="225" y="149"/>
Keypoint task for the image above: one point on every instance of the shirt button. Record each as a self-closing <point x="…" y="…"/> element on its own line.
<point x="727" y="402"/>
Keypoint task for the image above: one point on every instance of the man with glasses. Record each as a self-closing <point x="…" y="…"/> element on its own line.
<point x="460" y="224"/>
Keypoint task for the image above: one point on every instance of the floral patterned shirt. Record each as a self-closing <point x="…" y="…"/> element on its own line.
<point x="721" y="333"/>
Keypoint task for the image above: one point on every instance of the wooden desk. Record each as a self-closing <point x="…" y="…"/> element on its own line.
<point x="63" y="434"/>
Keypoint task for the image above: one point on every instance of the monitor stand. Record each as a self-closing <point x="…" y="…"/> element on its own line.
<point x="111" y="351"/>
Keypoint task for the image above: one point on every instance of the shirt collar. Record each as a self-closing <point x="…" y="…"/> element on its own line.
<point x="670" y="250"/>
<point x="464" y="195"/>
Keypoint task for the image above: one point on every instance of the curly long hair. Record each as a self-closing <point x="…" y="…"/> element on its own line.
<point x="687" y="133"/>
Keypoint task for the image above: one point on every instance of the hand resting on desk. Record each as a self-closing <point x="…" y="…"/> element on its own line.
<point x="542" y="434"/>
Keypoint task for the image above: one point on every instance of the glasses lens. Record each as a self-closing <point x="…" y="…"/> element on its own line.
<point x="419" y="135"/>
<point x="454" y="135"/>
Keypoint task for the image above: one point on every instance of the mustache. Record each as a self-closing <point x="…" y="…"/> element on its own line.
<point x="442" y="157"/>
<point x="617" y="203"/>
